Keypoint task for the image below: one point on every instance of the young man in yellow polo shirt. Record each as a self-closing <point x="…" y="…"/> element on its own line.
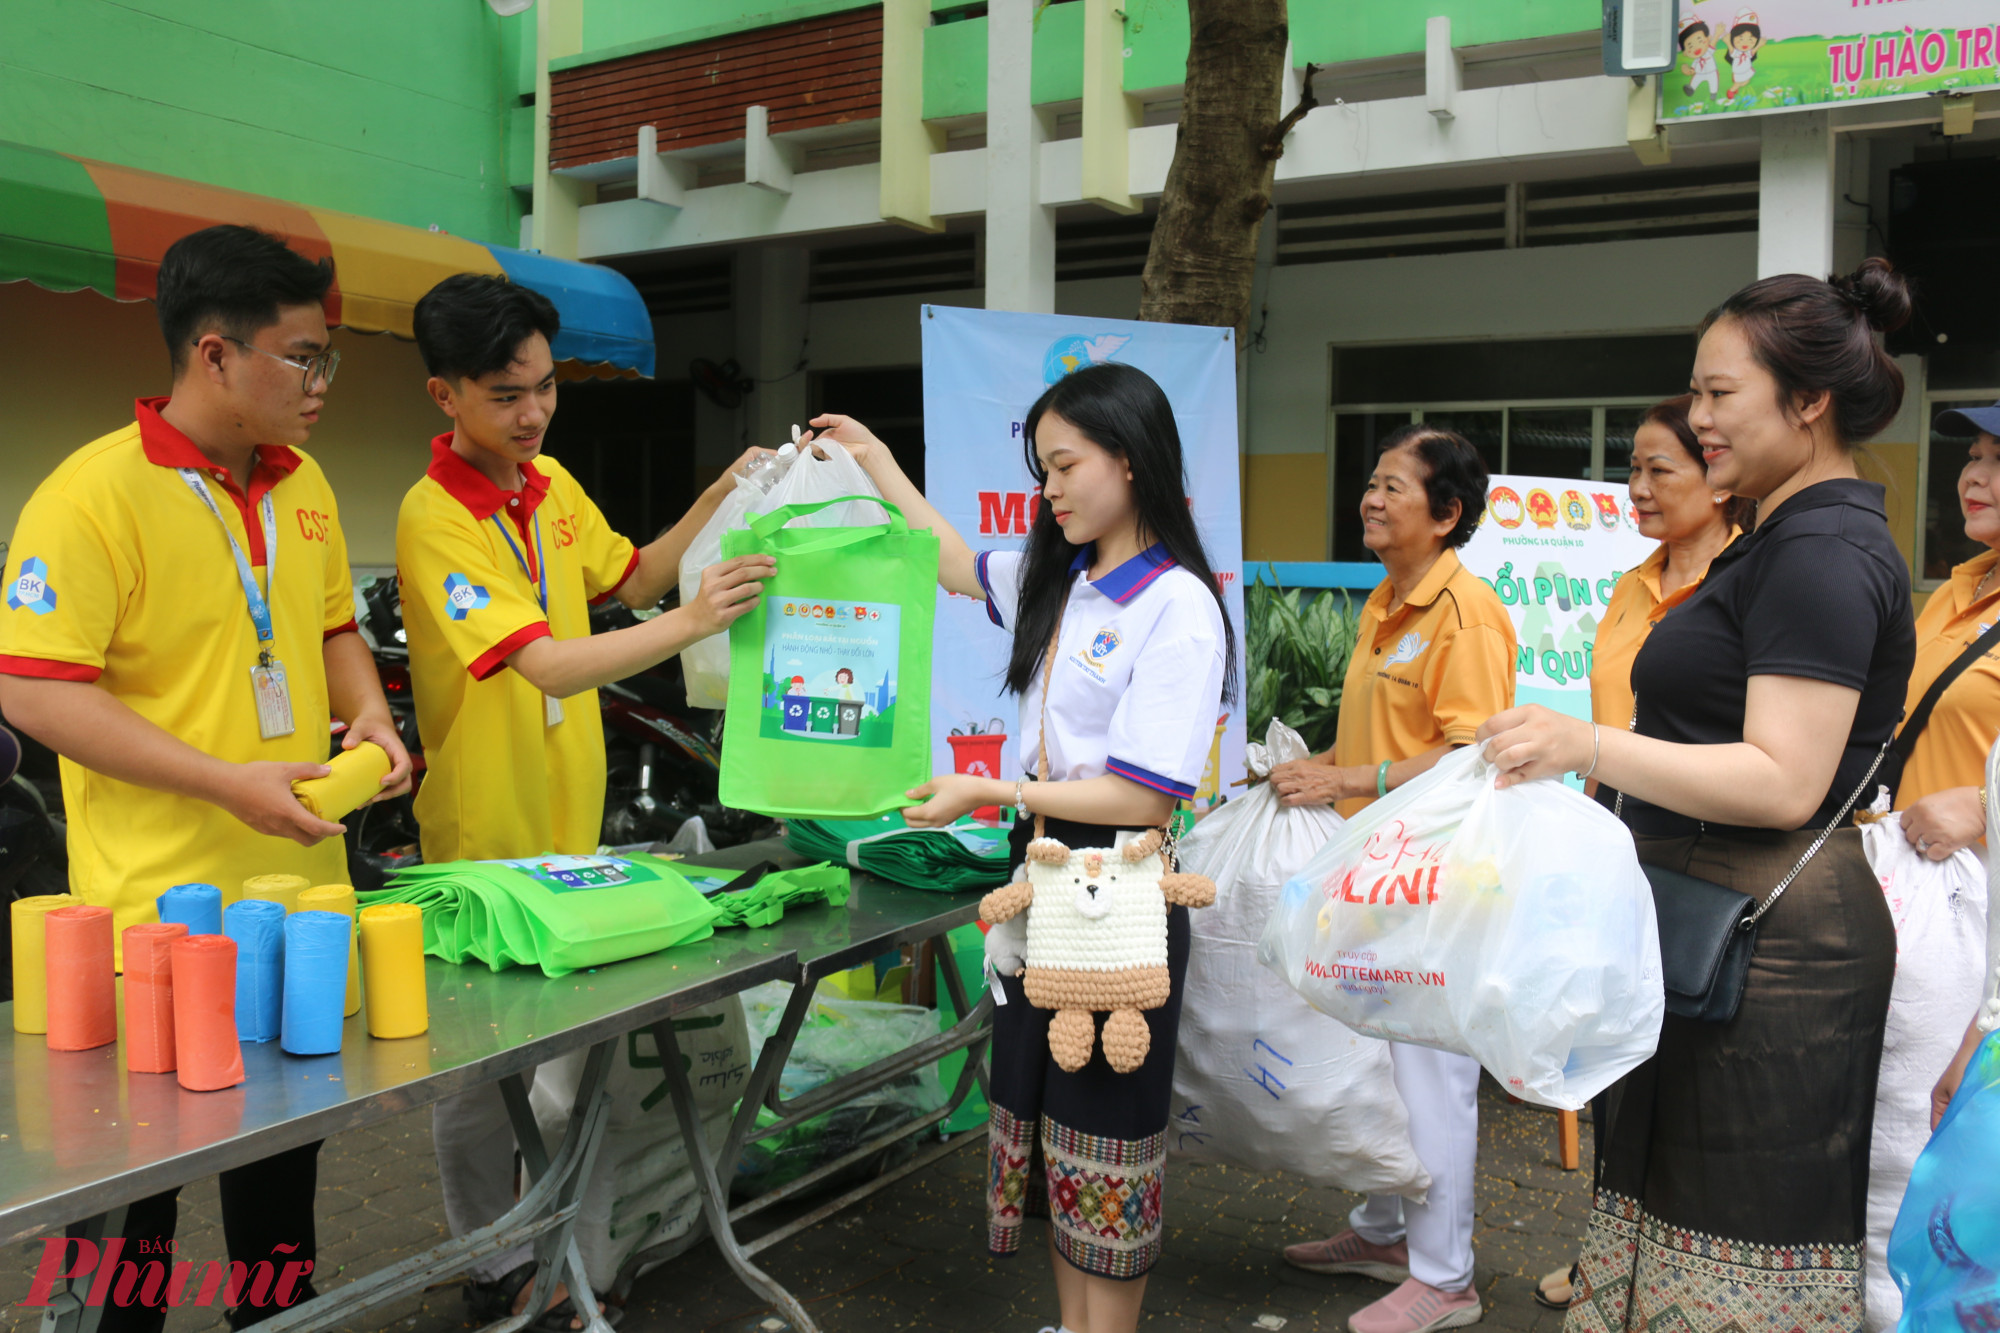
<point x="178" y="627"/>
<point x="499" y="555"/>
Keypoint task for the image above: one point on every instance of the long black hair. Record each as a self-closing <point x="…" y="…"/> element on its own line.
<point x="1121" y="410"/>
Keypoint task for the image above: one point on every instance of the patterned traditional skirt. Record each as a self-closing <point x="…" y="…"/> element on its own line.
<point x="1733" y="1187"/>
<point x="1087" y="1150"/>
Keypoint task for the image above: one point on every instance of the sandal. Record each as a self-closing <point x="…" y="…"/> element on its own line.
<point x="1557" y="1290"/>
<point x="489" y="1301"/>
<point x="557" y="1318"/>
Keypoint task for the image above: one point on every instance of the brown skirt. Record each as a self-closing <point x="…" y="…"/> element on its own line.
<point x="1733" y="1187"/>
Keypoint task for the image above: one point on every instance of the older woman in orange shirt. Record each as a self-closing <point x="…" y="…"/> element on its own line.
<point x="1942" y="796"/>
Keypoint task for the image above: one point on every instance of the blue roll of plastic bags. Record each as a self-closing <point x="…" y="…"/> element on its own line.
<point x="315" y="981"/>
<point x="197" y="906"/>
<point x="258" y="927"/>
<point x="1945" y="1250"/>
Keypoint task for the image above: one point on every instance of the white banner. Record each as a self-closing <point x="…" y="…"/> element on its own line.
<point x="1554" y="548"/>
<point x="983" y="370"/>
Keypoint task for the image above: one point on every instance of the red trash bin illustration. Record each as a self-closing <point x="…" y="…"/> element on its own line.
<point x="977" y="752"/>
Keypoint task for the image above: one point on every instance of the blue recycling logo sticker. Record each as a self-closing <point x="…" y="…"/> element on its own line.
<point x="462" y="596"/>
<point x="30" y="590"/>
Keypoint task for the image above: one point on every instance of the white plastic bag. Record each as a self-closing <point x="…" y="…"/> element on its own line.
<point x="642" y="1192"/>
<point x="1940" y="912"/>
<point x="1512" y="926"/>
<point x="1260" y="1080"/>
<point x="705" y="663"/>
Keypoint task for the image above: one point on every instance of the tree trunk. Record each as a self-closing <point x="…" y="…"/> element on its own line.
<point x="1203" y="257"/>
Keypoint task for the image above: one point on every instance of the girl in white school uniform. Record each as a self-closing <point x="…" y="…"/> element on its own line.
<point x="1114" y="574"/>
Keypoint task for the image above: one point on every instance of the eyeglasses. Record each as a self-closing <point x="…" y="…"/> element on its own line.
<point x="320" y="367"/>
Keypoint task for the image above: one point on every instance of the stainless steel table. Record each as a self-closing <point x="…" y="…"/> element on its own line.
<point x="84" y="1138"/>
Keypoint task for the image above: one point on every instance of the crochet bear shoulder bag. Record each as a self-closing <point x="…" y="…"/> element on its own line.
<point x="1097" y="930"/>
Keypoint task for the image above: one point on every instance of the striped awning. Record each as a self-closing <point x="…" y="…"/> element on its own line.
<point x="68" y="223"/>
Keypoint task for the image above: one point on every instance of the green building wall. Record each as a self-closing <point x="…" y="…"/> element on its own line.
<point x="404" y="110"/>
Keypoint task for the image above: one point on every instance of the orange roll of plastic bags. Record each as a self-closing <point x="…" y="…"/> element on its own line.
<point x="82" y="990"/>
<point x="31" y="985"/>
<point x="280" y="889"/>
<point x="340" y="898"/>
<point x="392" y="965"/>
<point x="149" y="996"/>
<point x="209" y="1057"/>
<point x="357" y="775"/>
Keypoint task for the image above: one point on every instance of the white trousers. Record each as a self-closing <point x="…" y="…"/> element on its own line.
<point x="475" y="1156"/>
<point x="1442" y="1094"/>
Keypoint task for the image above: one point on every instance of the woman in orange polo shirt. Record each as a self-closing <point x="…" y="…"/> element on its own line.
<point x="1433" y="660"/>
<point x="1942" y="795"/>
<point x="1692" y="523"/>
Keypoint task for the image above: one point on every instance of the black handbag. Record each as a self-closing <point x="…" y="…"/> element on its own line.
<point x="1708" y="931"/>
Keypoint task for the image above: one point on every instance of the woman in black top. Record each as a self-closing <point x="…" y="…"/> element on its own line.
<point x="1734" y="1180"/>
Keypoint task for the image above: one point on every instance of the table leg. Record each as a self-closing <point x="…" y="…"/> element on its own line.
<point x="591" y="1103"/>
<point x="66" y="1312"/>
<point x="714" y="1194"/>
<point x="1567" y="1140"/>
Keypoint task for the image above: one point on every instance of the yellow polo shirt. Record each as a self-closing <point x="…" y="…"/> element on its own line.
<point x="1635" y="607"/>
<point x="501" y="782"/>
<point x="1427" y="675"/>
<point x="1951" y="752"/>
<point x="119" y="574"/>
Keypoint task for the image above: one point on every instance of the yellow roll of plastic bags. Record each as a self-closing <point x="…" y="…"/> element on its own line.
<point x="357" y="775"/>
<point x="339" y="898"/>
<point x="31" y="977"/>
<point x="280" y="889"/>
<point x="392" y="957"/>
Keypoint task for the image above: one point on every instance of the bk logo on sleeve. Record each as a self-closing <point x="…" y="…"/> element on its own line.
<point x="30" y="590"/>
<point x="462" y="596"/>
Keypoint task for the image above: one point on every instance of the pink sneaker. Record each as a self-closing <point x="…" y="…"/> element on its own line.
<point x="1416" y="1308"/>
<point x="1348" y="1253"/>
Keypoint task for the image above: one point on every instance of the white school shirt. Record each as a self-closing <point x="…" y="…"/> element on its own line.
<point x="1137" y="688"/>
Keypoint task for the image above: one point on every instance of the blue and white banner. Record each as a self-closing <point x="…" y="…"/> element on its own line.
<point x="983" y="370"/>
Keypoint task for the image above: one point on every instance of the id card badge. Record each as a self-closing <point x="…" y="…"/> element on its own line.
<point x="551" y="710"/>
<point x="274" y="699"/>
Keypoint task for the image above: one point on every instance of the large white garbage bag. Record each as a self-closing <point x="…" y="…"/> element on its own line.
<point x="1260" y="1079"/>
<point x="810" y="477"/>
<point x="1940" y="912"/>
<point x="1512" y="926"/>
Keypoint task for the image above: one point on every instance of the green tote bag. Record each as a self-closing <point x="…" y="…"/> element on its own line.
<point x="829" y="711"/>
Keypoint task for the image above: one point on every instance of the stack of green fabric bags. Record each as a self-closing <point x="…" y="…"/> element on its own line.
<point x="565" y="913"/>
<point x="965" y="855"/>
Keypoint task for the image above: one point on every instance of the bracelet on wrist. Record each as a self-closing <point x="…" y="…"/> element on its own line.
<point x="1382" y="779"/>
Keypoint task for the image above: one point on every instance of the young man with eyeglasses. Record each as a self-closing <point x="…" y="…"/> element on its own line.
<point x="178" y="626"/>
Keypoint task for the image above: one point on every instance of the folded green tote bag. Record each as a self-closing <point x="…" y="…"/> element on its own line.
<point x="830" y="678"/>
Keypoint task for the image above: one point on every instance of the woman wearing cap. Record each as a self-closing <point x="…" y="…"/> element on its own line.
<point x="1693" y="523"/>
<point x="1733" y="1185"/>
<point x="1943" y="795"/>
<point x="1433" y="660"/>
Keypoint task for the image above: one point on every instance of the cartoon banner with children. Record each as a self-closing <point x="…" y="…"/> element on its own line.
<point x="983" y="370"/>
<point x="1785" y="55"/>
<point x="1554" y="548"/>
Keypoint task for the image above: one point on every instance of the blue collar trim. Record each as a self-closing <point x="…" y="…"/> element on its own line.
<point x="1124" y="583"/>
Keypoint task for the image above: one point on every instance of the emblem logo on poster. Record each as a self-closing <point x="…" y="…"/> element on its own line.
<point x="1542" y="508"/>
<point x="1575" y="512"/>
<point x="1607" y="510"/>
<point x="1074" y="353"/>
<point x="1505" y="506"/>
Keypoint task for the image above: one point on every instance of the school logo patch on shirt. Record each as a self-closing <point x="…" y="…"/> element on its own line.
<point x="1104" y="644"/>
<point x="462" y="596"/>
<point x="30" y="590"/>
<point x="1408" y="649"/>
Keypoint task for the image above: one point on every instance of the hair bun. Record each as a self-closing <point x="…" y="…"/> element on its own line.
<point x="1878" y="292"/>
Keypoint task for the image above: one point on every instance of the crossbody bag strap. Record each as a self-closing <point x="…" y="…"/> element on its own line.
<point x="1907" y="740"/>
<point x="1618" y="810"/>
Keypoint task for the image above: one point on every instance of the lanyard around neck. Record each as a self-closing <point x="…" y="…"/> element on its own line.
<point x="539" y="575"/>
<point x="260" y="606"/>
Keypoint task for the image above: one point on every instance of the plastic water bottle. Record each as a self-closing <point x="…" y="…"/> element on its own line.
<point x="763" y="471"/>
